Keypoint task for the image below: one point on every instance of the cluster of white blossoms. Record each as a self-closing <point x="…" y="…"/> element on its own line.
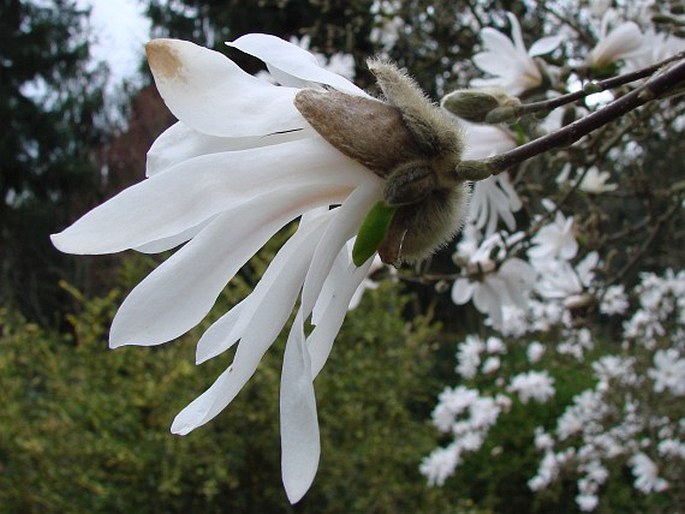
<point x="535" y="284"/>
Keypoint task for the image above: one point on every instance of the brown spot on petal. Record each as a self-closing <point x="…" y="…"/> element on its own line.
<point x="163" y="60"/>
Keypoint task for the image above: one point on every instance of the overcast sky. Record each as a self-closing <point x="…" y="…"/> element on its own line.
<point x="121" y="31"/>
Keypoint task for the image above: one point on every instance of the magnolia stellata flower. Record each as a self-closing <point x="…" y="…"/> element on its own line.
<point x="242" y="162"/>
<point x="623" y="41"/>
<point x="512" y="66"/>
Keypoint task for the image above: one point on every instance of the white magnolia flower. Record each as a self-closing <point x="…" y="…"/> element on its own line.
<point x="668" y="372"/>
<point x="656" y="46"/>
<point x="555" y="240"/>
<point x="239" y="165"/>
<point x="507" y="285"/>
<point x="623" y="41"/>
<point x="533" y="385"/>
<point x="535" y="351"/>
<point x="593" y="181"/>
<point x="468" y="356"/>
<point x="513" y="66"/>
<point x="614" y="301"/>
<point x="646" y="474"/>
<point x="493" y="199"/>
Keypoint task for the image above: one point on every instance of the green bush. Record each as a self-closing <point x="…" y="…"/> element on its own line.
<point x="85" y="429"/>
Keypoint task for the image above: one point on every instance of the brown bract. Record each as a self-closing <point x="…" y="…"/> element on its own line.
<point x="411" y="143"/>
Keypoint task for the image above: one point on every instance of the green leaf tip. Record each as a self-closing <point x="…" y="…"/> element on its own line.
<point x="372" y="232"/>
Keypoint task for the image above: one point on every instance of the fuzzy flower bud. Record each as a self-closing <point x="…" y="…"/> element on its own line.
<point x="475" y="104"/>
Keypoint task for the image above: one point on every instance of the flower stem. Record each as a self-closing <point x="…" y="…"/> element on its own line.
<point x="660" y="84"/>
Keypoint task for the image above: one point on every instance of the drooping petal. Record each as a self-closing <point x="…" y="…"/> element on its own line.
<point x="273" y="297"/>
<point x="293" y="60"/>
<point x="181" y="198"/>
<point x="180" y="292"/>
<point x="331" y="306"/>
<point x="300" y="443"/>
<point x="211" y="94"/>
<point x="348" y="218"/>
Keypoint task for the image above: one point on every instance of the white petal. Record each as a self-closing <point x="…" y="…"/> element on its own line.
<point x="545" y="45"/>
<point x="168" y="243"/>
<point x="300" y="443"/>
<point x="331" y="306"/>
<point x="293" y="60"/>
<point x="181" y="198"/>
<point x="496" y="42"/>
<point x="179" y="143"/>
<point x="273" y="298"/>
<point x="211" y="94"/>
<point x="462" y="291"/>
<point x="516" y="35"/>
<point x="346" y="223"/>
<point x="180" y="292"/>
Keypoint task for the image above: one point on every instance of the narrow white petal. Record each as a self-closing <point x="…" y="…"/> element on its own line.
<point x="462" y="290"/>
<point x="293" y="60"/>
<point x="180" y="143"/>
<point x="168" y="243"/>
<point x="180" y="292"/>
<point x="331" y="306"/>
<point x="211" y="94"/>
<point x="516" y="35"/>
<point x="172" y="202"/>
<point x="274" y="296"/>
<point x="346" y="223"/>
<point x="545" y="45"/>
<point x="300" y="443"/>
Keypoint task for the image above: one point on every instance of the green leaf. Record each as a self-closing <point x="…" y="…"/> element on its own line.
<point x="372" y="232"/>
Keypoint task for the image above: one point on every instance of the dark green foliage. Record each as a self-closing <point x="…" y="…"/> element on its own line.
<point x="49" y="101"/>
<point x="85" y="429"/>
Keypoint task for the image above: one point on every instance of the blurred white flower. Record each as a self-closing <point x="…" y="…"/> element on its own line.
<point x="668" y="372"/>
<point x="646" y="474"/>
<point x="593" y="181"/>
<point x="493" y="199"/>
<point x="440" y="465"/>
<point x="239" y="165"/>
<point x="656" y="46"/>
<point x="623" y="41"/>
<point x="491" y="364"/>
<point x="535" y="351"/>
<point x="614" y="301"/>
<point x="490" y="283"/>
<point x="468" y="356"/>
<point x="512" y="66"/>
<point x="587" y="502"/>
<point x="555" y="240"/>
<point x="532" y="385"/>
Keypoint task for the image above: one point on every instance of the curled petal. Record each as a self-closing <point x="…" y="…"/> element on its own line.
<point x="211" y="94"/>
<point x="292" y="60"/>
